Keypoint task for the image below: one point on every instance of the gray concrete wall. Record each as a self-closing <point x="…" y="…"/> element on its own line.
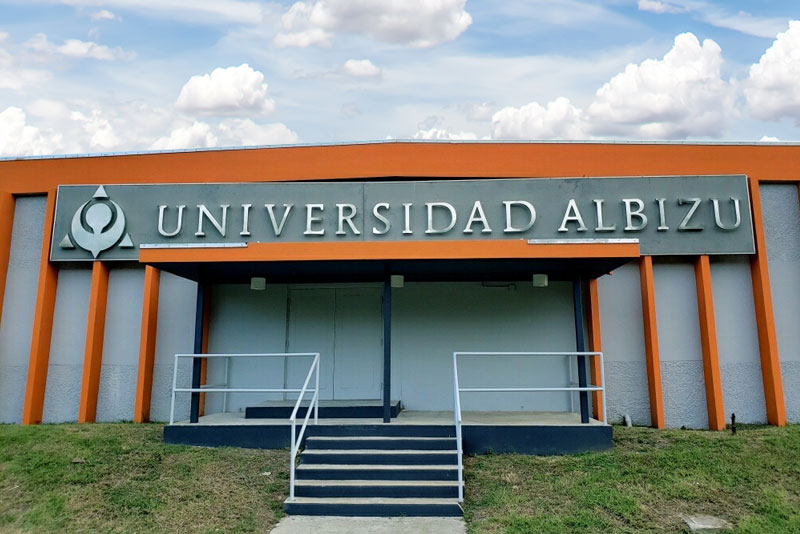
<point x="18" y="305"/>
<point x="683" y="384"/>
<point x="782" y="228"/>
<point x="431" y="320"/>
<point x="175" y="334"/>
<point x="247" y="321"/>
<point x="737" y="339"/>
<point x="119" y="370"/>
<point x="623" y="345"/>
<point x="67" y="344"/>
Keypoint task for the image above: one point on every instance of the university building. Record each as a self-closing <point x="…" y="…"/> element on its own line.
<point x="403" y="303"/>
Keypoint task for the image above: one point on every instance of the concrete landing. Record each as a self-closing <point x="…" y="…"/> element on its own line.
<point x="370" y="525"/>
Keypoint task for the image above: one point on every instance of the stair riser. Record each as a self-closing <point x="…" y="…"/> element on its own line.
<point x="325" y="412"/>
<point x="386" y="430"/>
<point x="373" y="510"/>
<point x="434" y="492"/>
<point x="380" y="459"/>
<point x="444" y="444"/>
<point x="363" y="474"/>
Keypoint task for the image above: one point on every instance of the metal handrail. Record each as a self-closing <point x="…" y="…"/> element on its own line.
<point x="458" y="390"/>
<point x="298" y="440"/>
<point x="215" y="388"/>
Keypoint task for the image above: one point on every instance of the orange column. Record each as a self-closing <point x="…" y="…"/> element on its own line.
<point x="147" y="345"/>
<point x="765" y="320"/>
<point x="93" y="354"/>
<point x="652" y="359"/>
<point x="42" y="324"/>
<point x="204" y="361"/>
<point x="6" y="224"/>
<point x="595" y="345"/>
<point x="708" y="341"/>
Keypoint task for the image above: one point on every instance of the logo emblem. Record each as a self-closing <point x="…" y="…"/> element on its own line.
<point x="97" y="225"/>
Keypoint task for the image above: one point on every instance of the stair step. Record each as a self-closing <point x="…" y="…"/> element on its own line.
<point x="373" y="507"/>
<point x="383" y="430"/>
<point x="380" y="442"/>
<point x="377" y="488"/>
<point x="376" y="472"/>
<point x="378" y="456"/>
<point x="356" y="410"/>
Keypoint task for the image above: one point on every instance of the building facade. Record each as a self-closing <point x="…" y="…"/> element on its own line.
<point x="680" y="262"/>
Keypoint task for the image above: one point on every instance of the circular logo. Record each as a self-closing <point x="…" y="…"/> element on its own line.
<point x="98" y="225"/>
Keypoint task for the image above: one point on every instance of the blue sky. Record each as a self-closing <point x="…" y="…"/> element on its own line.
<point x="81" y="76"/>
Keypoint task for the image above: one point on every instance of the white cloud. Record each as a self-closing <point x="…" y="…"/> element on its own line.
<point x="196" y="135"/>
<point x="361" y="68"/>
<point x="769" y="139"/>
<point x="443" y="133"/>
<point x="656" y="6"/>
<point x="102" y="135"/>
<point x="17" y="138"/>
<point x="559" y="120"/>
<point x="104" y="14"/>
<point x="679" y="96"/>
<point x="75" y="48"/>
<point x="772" y="89"/>
<point x="416" y="23"/>
<point x="247" y="132"/>
<point x="226" y="91"/>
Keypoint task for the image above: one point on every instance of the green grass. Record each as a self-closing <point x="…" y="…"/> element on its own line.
<point x="122" y="478"/>
<point x="644" y="485"/>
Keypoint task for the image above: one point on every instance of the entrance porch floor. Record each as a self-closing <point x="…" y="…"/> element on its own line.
<point x="406" y="417"/>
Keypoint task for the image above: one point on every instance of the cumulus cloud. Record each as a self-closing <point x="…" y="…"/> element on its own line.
<point x="558" y="120"/>
<point x="247" y="132"/>
<point x="361" y="68"/>
<point x="75" y="48"/>
<point x="656" y="6"/>
<point x="769" y="139"/>
<point x="416" y="23"/>
<point x="772" y="89"/>
<point x="444" y="134"/>
<point x="104" y="14"/>
<point x="679" y="96"/>
<point x="101" y="133"/>
<point x="480" y="111"/>
<point x="18" y="138"/>
<point x="228" y="91"/>
<point x="195" y="135"/>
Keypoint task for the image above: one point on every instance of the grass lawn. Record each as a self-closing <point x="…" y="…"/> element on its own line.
<point x="122" y="478"/>
<point x="643" y="485"/>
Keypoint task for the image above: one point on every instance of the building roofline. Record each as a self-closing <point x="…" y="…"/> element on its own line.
<point x="402" y="141"/>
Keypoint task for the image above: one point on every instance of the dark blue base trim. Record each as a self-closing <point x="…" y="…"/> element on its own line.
<point x="544" y="440"/>
<point x="374" y="510"/>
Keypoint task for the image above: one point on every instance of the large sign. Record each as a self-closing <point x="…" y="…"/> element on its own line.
<point x="669" y="215"/>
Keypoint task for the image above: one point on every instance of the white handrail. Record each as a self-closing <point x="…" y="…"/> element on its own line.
<point x="225" y="390"/>
<point x="297" y="440"/>
<point x="458" y="390"/>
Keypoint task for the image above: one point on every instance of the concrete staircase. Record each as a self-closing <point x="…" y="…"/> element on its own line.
<point x="406" y="473"/>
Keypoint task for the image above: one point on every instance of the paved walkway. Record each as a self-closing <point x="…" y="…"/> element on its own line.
<point x="370" y="525"/>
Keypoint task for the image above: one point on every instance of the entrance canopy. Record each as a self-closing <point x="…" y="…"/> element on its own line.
<point x="418" y="261"/>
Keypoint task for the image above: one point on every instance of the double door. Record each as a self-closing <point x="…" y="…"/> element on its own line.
<point x="345" y="325"/>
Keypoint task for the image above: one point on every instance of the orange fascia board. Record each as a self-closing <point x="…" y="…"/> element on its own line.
<point x="765" y="318"/>
<point x="147" y="345"/>
<point x="95" y="334"/>
<point x="390" y="250"/>
<point x="6" y="225"/>
<point x="405" y="160"/>
<point x="652" y="358"/>
<point x="595" y="345"/>
<point x="42" y="324"/>
<point x="708" y="342"/>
